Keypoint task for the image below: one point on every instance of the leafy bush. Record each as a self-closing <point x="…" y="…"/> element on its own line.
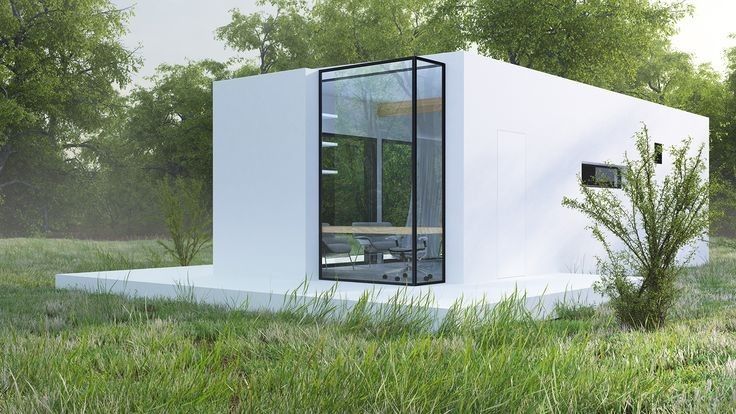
<point x="573" y="311"/>
<point x="722" y="207"/>
<point x="187" y="217"/>
<point x="654" y="219"/>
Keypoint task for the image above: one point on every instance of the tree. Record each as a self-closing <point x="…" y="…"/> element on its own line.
<point x="163" y="132"/>
<point x="343" y="31"/>
<point x="352" y="31"/>
<point x="661" y="72"/>
<point x="59" y="64"/>
<point x="32" y="188"/>
<point x="170" y="124"/>
<point x="726" y="141"/>
<point x="654" y="219"/>
<point x="282" y="40"/>
<point x="670" y="78"/>
<point x="599" y="42"/>
<point x="123" y="196"/>
<point x="723" y="154"/>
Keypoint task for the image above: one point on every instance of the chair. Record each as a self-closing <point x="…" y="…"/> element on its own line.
<point x="406" y="255"/>
<point x="335" y="245"/>
<point x="375" y="244"/>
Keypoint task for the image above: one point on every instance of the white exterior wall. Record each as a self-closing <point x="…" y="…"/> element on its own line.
<point x="265" y="178"/>
<point x="565" y="123"/>
<point x="266" y="172"/>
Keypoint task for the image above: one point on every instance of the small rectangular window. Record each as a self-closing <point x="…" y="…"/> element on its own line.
<point x="601" y="175"/>
<point x="657" y="153"/>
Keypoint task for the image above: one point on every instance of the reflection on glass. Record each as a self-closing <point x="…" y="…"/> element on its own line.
<point x="430" y="244"/>
<point x="601" y="175"/>
<point x="367" y="165"/>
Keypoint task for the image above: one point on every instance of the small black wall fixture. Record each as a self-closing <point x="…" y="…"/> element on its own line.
<point x="657" y="153"/>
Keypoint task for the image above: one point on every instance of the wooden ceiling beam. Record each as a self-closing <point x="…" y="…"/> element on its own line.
<point x="404" y="107"/>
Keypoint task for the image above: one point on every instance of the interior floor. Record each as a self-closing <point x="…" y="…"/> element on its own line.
<point x="428" y="271"/>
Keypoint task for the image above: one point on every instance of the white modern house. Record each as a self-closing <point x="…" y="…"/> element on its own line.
<point x="442" y="173"/>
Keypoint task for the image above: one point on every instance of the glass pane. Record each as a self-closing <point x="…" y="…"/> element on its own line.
<point x="366" y="173"/>
<point x="601" y="176"/>
<point x="430" y="136"/>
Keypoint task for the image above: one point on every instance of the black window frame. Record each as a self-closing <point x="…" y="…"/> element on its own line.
<point x="414" y="67"/>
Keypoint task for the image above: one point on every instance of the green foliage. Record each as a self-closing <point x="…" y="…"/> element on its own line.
<point x="336" y="32"/>
<point x="396" y="181"/>
<point x="65" y="129"/>
<point x="187" y="217"/>
<point x="70" y="351"/>
<point x="164" y="130"/>
<point x="60" y="61"/>
<point x="723" y="153"/>
<point x="346" y="195"/>
<point x="60" y="64"/>
<point x="574" y="311"/>
<point x="600" y="42"/>
<point x="282" y="39"/>
<point x="170" y="123"/>
<point x="359" y="30"/>
<point x="729" y="124"/>
<point x="653" y="219"/>
<point x="670" y="78"/>
<point x="620" y="45"/>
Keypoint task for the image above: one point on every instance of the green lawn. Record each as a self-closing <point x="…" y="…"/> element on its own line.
<point x="67" y="351"/>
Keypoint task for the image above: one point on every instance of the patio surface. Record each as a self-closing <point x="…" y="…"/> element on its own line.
<point x="199" y="283"/>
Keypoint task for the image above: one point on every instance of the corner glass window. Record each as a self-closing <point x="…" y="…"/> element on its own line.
<point x="382" y="172"/>
<point x="601" y="175"/>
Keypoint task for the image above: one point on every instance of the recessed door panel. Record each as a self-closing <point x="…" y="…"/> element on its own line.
<point x="511" y="203"/>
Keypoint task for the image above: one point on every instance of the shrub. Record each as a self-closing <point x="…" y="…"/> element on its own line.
<point x="187" y="217"/>
<point x="654" y="220"/>
<point x="573" y="311"/>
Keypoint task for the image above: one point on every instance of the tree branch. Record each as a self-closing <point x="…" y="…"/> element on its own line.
<point x="80" y="145"/>
<point x="18" y="182"/>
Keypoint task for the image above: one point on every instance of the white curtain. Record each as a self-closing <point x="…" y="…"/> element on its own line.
<point x="429" y="180"/>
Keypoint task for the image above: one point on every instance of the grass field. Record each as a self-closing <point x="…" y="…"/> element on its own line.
<point x="67" y="351"/>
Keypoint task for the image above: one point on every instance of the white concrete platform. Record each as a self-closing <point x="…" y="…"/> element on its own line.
<point x="197" y="283"/>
